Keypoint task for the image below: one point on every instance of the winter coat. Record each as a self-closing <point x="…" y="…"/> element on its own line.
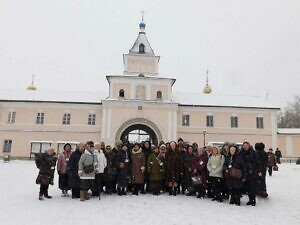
<point x="110" y="171"/>
<point x="102" y="163"/>
<point x="123" y="162"/>
<point x="215" y="165"/>
<point x="188" y="161"/>
<point x="199" y="168"/>
<point x="263" y="159"/>
<point x="72" y="169"/>
<point x="155" y="167"/>
<point x="173" y="166"/>
<point x="252" y="163"/>
<point x="87" y="159"/>
<point x="271" y="159"/>
<point x="62" y="162"/>
<point x="237" y="162"/>
<point x="46" y="165"/>
<point x="137" y="166"/>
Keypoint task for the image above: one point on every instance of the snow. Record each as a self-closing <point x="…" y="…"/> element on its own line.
<point x="19" y="204"/>
<point x="288" y="131"/>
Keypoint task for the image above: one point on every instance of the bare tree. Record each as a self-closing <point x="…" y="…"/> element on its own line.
<point x="289" y="117"/>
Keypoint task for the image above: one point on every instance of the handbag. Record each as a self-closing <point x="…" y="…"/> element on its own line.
<point x="236" y="173"/>
<point x="275" y="168"/>
<point x="197" y="180"/>
<point x="89" y="168"/>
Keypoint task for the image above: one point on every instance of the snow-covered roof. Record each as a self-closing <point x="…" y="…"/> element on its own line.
<point x="288" y="131"/>
<point x="52" y="96"/>
<point x="214" y="100"/>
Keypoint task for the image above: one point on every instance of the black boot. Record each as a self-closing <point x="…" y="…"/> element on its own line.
<point x="120" y="192"/>
<point x="123" y="191"/>
<point x="175" y="191"/>
<point x="237" y="200"/>
<point x="232" y="199"/>
<point x="41" y="197"/>
<point x="170" y="191"/>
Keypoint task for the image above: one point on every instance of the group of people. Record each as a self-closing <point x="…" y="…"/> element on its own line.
<point x="173" y="167"/>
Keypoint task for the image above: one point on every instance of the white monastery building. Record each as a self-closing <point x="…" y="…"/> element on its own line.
<point x="140" y="105"/>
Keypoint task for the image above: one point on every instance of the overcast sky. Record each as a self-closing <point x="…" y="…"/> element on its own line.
<point x="250" y="47"/>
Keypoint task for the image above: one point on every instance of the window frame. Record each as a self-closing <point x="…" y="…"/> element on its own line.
<point x="92" y="119"/>
<point x="11" y="117"/>
<point x="40" y="118"/>
<point x="187" y="118"/>
<point x="7" y="144"/>
<point x="234" y="121"/>
<point x="209" y="120"/>
<point x="66" y="118"/>
<point x="260" y="122"/>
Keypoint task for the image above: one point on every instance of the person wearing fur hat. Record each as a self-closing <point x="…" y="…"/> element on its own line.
<point x="271" y="161"/>
<point x="138" y="168"/>
<point x="110" y="170"/>
<point x="162" y="156"/>
<point x="263" y="159"/>
<point x="45" y="162"/>
<point x="63" y="178"/>
<point x="188" y="162"/>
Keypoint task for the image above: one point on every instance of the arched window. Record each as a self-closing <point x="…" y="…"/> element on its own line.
<point x="121" y="93"/>
<point x="142" y="48"/>
<point x="158" y="95"/>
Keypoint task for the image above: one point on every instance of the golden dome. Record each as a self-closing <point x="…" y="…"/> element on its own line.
<point x="32" y="87"/>
<point x="207" y="89"/>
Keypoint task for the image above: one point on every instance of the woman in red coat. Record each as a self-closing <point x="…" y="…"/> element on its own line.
<point x="173" y="167"/>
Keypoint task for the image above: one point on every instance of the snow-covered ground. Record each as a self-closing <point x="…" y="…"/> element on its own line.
<point x="19" y="204"/>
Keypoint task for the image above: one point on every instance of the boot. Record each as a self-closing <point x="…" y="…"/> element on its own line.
<point x="135" y="190"/>
<point x="123" y="191"/>
<point x="47" y="196"/>
<point x="170" y="191"/>
<point x="175" y="191"/>
<point x="237" y="200"/>
<point x="82" y="197"/>
<point x="119" y="192"/>
<point x="232" y="200"/>
<point x="41" y="197"/>
<point x="86" y="195"/>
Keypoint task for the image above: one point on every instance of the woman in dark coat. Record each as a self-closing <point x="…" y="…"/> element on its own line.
<point x="200" y="173"/>
<point x="173" y="167"/>
<point x="155" y="170"/>
<point x="110" y="171"/>
<point x="45" y="162"/>
<point x="138" y="168"/>
<point x="253" y="168"/>
<point x="122" y="161"/>
<point x="72" y="170"/>
<point x="235" y="185"/>
<point x="147" y="150"/>
<point x="188" y="162"/>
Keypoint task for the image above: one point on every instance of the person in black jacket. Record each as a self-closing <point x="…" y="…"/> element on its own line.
<point x="45" y="162"/>
<point x="110" y="172"/>
<point x="234" y="183"/>
<point x="147" y="150"/>
<point x="263" y="159"/>
<point x="72" y="170"/>
<point x="253" y="168"/>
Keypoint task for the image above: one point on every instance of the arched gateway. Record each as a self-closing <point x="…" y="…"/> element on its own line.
<point x="139" y="129"/>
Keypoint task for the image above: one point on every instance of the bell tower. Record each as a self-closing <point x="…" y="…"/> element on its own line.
<point x="141" y="58"/>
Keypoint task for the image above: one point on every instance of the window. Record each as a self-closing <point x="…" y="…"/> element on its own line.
<point x="234" y="121"/>
<point x="39" y="147"/>
<point x="11" y="117"/>
<point x="259" y="122"/>
<point x="7" y="146"/>
<point x="121" y="93"/>
<point x="185" y="120"/>
<point x="92" y="119"/>
<point x="209" y="120"/>
<point x="40" y="118"/>
<point x="158" y="95"/>
<point x="142" y="48"/>
<point x="66" y="118"/>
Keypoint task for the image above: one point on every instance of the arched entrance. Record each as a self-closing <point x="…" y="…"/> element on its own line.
<point x="139" y="133"/>
<point x="139" y="129"/>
